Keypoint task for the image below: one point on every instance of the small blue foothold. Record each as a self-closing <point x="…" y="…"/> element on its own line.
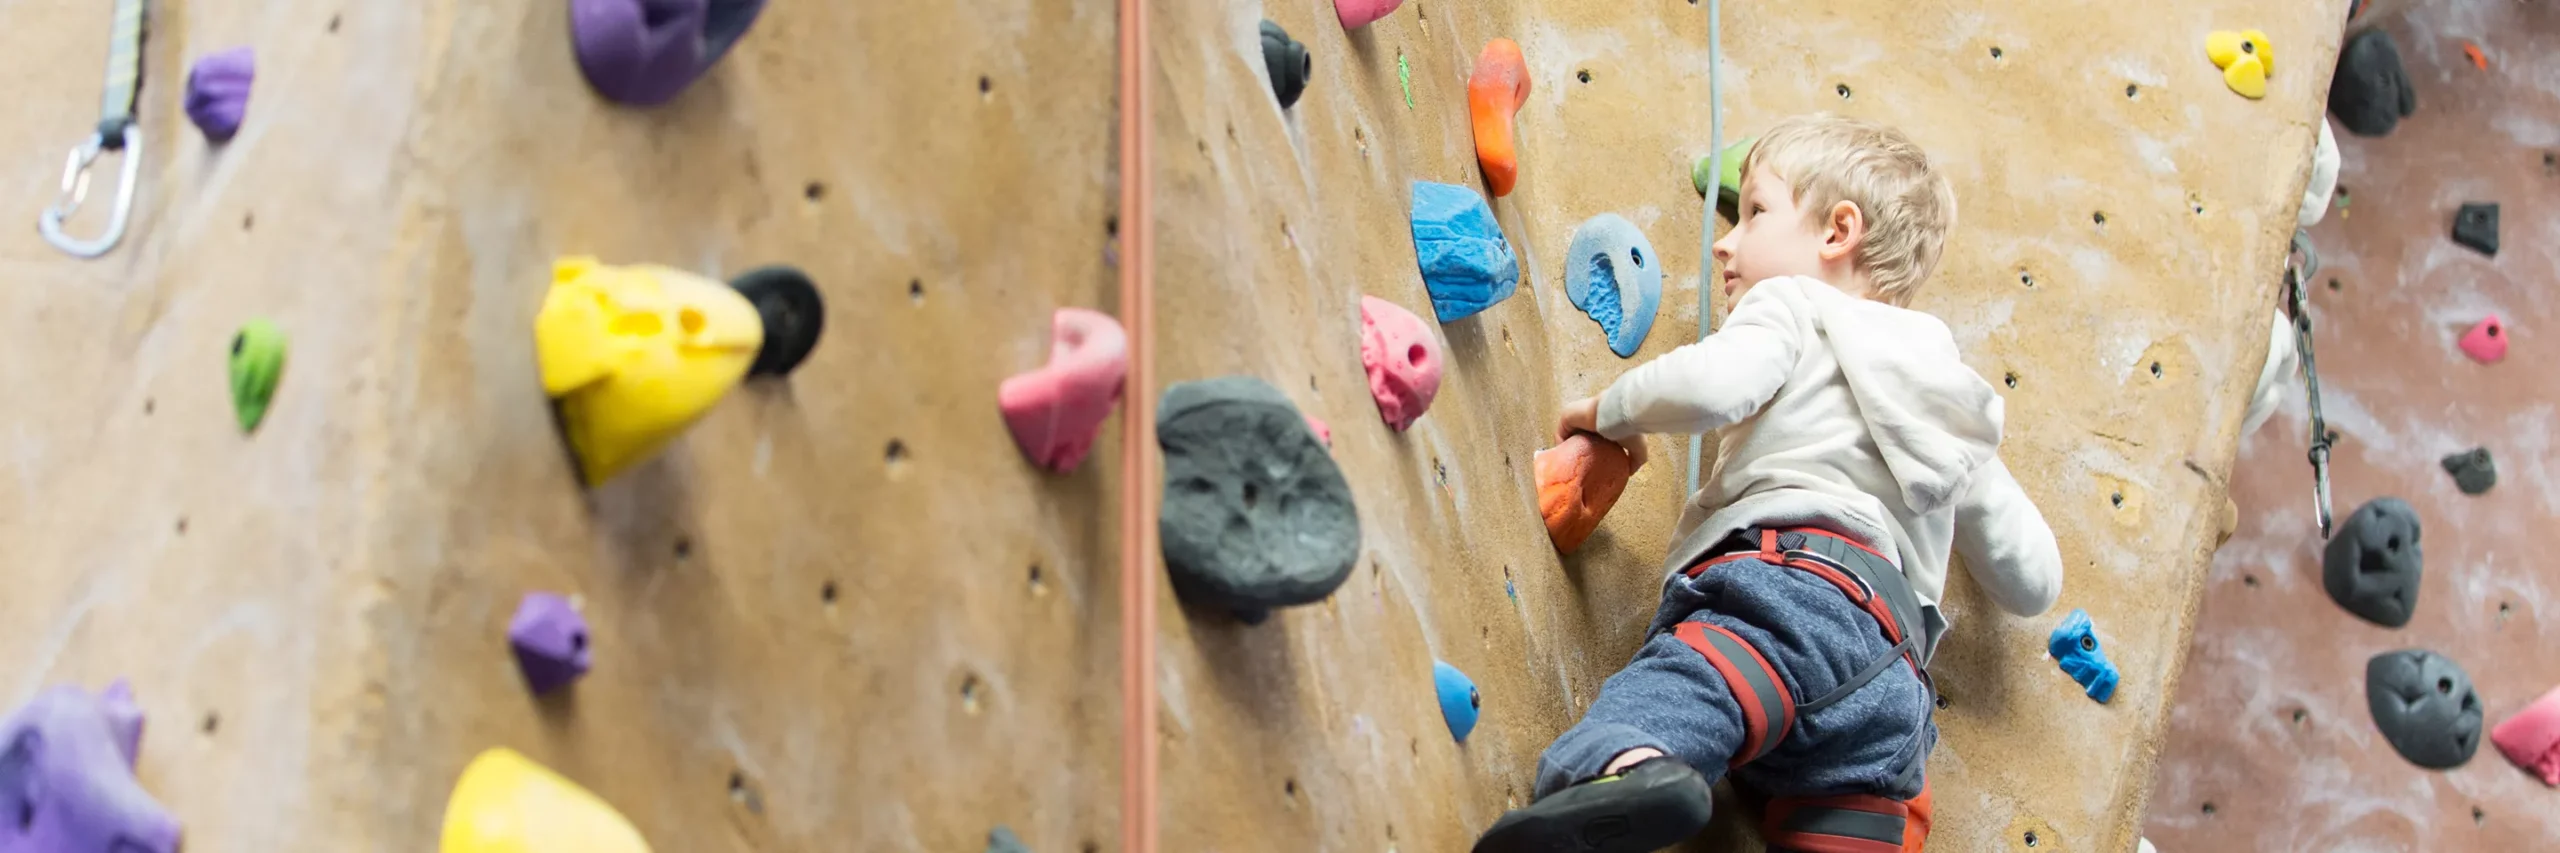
<point x="1465" y="262"/>
<point x="2075" y="645"/>
<point x="1458" y="700"/>
<point x="1611" y="273"/>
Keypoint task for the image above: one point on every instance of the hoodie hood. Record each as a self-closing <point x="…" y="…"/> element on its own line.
<point x="1933" y="420"/>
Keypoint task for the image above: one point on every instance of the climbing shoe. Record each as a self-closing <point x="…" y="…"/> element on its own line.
<point x="1655" y="804"/>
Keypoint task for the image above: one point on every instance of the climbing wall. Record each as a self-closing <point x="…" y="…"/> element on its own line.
<point x="2271" y="746"/>
<point x="841" y="614"/>
<point x="2125" y="218"/>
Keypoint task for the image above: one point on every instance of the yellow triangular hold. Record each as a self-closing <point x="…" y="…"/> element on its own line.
<point x="2223" y="47"/>
<point x="2247" y="77"/>
<point x="2254" y="41"/>
<point x="505" y="803"/>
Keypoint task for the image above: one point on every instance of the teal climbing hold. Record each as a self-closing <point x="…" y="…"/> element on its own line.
<point x="1612" y="274"/>
<point x="257" y="362"/>
<point x="1466" y="264"/>
<point x="1459" y="703"/>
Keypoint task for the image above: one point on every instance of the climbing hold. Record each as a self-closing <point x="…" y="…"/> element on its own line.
<point x="1324" y="434"/>
<point x="1612" y="274"/>
<point x="2324" y="179"/>
<point x="1404" y="74"/>
<point x="2531" y="738"/>
<point x="2425" y="706"/>
<point x="1465" y="262"/>
<point x="218" y="91"/>
<point x="505" y="803"/>
<point x="1721" y="172"/>
<point x="2478" y="60"/>
<point x="2074" y="645"/>
<point x="788" y="307"/>
<point x="2226" y="47"/>
<point x="1495" y="92"/>
<point x="2372" y="564"/>
<point x="66" y="777"/>
<point x="1288" y="62"/>
<point x="2473" y="471"/>
<point x="2247" y="76"/>
<point x="2371" y="92"/>
<point x="634" y="354"/>
<point x="2476" y="226"/>
<point x="550" y="640"/>
<point x="1056" y="411"/>
<point x="1002" y="840"/>
<point x="1459" y="703"/>
<point x="1255" y="514"/>
<point x="1360" y="13"/>
<point x="2486" y="343"/>
<point x="1579" y="480"/>
<point x="1403" y="359"/>
<point x="644" y="52"/>
<point x="257" y="364"/>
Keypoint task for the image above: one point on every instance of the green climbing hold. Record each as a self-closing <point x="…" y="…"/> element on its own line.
<point x="1725" y="170"/>
<point x="1404" y="72"/>
<point x="257" y="361"/>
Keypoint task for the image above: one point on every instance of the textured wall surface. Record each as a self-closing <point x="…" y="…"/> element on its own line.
<point x="2271" y="746"/>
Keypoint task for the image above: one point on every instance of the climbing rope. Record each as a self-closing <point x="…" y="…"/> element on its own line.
<point x="1707" y="206"/>
<point x="1137" y="434"/>
<point x="117" y="131"/>
<point x="2297" y="278"/>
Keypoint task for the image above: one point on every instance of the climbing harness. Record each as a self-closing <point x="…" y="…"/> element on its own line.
<point x="2297" y="279"/>
<point x="1138" y="532"/>
<point x="117" y="131"/>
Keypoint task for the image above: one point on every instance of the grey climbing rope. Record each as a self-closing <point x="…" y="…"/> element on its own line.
<point x="117" y="131"/>
<point x="1707" y="207"/>
<point x="2297" y="278"/>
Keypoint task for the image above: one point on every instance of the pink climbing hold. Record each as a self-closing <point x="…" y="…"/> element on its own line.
<point x="1403" y="359"/>
<point x="2531" y="738"/>
<point x="1324" y="434"/>
<point x="1360" y="13"/>
<point x="2486" y="343"/>
<point x="1056" y="411"/>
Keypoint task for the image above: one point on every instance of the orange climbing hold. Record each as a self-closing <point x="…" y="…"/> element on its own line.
<point x="1495" y="93"/>
<point x="2481" y="60"/>
<point x="1578" y="481"/>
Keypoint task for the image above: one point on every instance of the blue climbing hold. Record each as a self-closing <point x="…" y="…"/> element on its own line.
<point x="1465" y="262"/>
<point x="2075" y="646"/>
<point x="1458" y="700"/>
<point x="1611" y="273"/>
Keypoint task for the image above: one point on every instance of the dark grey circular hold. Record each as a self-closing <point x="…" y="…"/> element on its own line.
<point x="1289" y="63"/>
<point x="2425" y="706"/>
<point x="793" y="316"/>
<point x="2371" y="92"/>
<point x="1256" y="514"/>
<point x="2473" y="471"/>
<point x="2372" y="565"/>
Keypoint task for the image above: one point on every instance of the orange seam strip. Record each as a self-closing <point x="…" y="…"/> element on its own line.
<point x="1137" y="437"/>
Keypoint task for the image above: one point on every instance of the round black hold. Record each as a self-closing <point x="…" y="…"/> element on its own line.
<point x="2372" y="565"/>
<point x="793" y="316"/>
<point x="1256" y="514"/>
<point x="2371" y="92"/>
<point x="1289" y="63"/>
<point x="2425" y="706"/>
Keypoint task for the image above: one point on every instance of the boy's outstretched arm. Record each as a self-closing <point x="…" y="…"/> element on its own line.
<point x="1704" y="386"/>
<point x="2006" y="544"/>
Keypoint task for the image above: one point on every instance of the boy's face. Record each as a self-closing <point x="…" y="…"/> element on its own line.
<point x="1774" y="237"/>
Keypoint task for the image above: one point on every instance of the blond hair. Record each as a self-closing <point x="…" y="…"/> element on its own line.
<point x="1909" y="208"/>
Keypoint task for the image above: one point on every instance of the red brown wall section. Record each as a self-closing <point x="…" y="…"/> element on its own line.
<point x="2270" y="746"/>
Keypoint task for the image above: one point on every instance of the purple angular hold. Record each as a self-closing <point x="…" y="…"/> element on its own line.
<point x="66" y="777"/>
<point x="645" y="52"/>
<point x="550" y="640"/>
<point x="218" y="92"/>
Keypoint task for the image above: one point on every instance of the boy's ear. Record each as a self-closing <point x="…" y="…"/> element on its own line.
<point x="1844" y="227"/>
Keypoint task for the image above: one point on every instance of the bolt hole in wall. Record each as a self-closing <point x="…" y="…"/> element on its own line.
<point x="684" y="547"/>
<point x="915" y="290"/>
<point x="2117" y="499"/>
<point x="1583" y="75"/>
<point x="182" y="525"/>
<point x="2031" y="838"/>
<point x="2250" y="581"/>
<point x="1039" y="580"/>
<point x="969" y="693"/>
<point x="827" y="593"/>
<point x="2027" y="278"/>
<point x="986" y="85"/>
<point x="2479" y="816"/>
<point x="248" y="221"/>
<point x="1843" y="90"/>
<point x="2301" y="716"/>
<point x="212" y="722"/>
<point x="2100" y="218"/>
<point x="333" y="23"/>
<point x="2155" y="370"/>
<point x="1995" y="52"/>
<point x="2132" y="90"/>
<point x="2208" y="808"/>
<point x="2011" y="379"/>
<point x="814" y="191"/>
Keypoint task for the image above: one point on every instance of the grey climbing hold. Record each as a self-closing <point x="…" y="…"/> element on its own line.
<point x="2371" y="91"/>
<point x="2425" y="706"/>
<point x="2476" y="226"/>
<point x="2372" y="565"/>
<point x="1256" y="514"/>
<point x="1466" y="263"/>
<point x="1611" y="273"/>
<point x="2473" y="471"/>
<point x="1002" y="840"/>
<point x="1288" y="62"/>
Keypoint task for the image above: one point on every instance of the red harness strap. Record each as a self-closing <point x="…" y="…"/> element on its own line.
<point x="1858" y="593"/>
<point x="1768" y="710"/>
<point x="1851" y="824"/>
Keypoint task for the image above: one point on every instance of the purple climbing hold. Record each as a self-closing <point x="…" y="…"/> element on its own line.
<point x="218" y="92"/>
<point x="644" y="52"/>
<point x="550" y="640"/>
<point x="66" y="777"/>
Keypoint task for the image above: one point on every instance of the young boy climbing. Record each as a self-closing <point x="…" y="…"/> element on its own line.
<point x="1801" y="605"/>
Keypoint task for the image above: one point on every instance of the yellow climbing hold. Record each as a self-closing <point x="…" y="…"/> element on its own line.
<point x="636" y="354"/>
<point x="2225" y="47"/>
<point x="505" y="803"/>
<point x="2247" y="77"/>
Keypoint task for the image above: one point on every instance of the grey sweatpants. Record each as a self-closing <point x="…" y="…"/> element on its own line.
<point x="1669" y="698"/>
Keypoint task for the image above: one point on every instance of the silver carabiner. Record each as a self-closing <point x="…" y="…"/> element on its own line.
<point x="75" y="190"/>
<point x="2297" y="280"/>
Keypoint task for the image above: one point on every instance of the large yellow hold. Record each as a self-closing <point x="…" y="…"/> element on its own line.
<point x="636" y="354"/>
<point x="2245" y="58"/>
<point x="505" y="803"/>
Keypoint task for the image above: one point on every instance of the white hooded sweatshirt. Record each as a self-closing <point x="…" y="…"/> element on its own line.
<point x="1853" y="416"/>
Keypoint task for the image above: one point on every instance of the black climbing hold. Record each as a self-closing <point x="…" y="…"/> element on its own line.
<point x="1289" y="63"/>
<point x="2371" y="92"/>
<point x="2372" y="564"/>
<point x="793" y="316"/>
<point x="2425" y="705"/>
<point x="2477" y="227"/>
<point x="1002" y="840"/>
<point x="1256" y="514"/>
<point x="2473" y="471"/>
